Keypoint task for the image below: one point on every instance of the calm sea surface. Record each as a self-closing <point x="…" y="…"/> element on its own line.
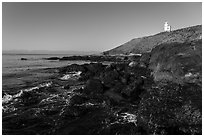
<point x="12" y="63"/>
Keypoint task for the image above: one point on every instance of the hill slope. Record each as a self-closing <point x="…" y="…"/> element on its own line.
<point x="145" y="44"/>
<point x="177" y="62"/>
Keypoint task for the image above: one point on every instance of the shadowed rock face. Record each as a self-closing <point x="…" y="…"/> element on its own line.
<point x="177" y="62"/>
<point x="146" y="44"/>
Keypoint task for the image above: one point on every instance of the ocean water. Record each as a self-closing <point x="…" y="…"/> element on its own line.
<point x="47" y="107"/>
<point x="12" y="63"/>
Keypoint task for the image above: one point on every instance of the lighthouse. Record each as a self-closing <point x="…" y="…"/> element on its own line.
<point x="167" y="27"/>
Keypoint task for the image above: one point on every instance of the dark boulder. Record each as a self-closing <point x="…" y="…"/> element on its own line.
<point x="30" y="98"/>
<point x="133" y="90"/>
<point x="93" y="86"/>
<point x="67" y="87"/>
<point x="110" y="78"/>
<point x="73" y="112"/>
<point x="53" y="58"/>
<point x="24" y="59"/>
<point x="94" y="68"/>
<point x="91" y="70"/>
<point x="114" y="96"/>
<point x="86" y="76"/>
<point x="77" y="100"/>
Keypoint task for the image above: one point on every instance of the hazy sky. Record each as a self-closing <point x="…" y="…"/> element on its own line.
<point x="89" y="26"/>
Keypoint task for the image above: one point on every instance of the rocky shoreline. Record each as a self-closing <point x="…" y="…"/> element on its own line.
<point x="93" y="58"/>
<point x="157" y="93"/>
<point x="94" y="98"/>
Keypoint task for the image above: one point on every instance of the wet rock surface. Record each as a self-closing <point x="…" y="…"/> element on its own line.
<point x="104" y="100"/>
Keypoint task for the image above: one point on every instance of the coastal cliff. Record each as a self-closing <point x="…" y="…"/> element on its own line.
<point x="146" y="44"/>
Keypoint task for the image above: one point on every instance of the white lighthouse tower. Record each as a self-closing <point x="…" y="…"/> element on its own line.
<point x="167" y="27"/>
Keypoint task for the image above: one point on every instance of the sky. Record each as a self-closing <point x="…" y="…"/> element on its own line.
<point x="89" y="26"/>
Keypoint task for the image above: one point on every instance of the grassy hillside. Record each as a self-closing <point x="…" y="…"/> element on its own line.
<point x="177" y="62"/>
<point x="145" y="44"/>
